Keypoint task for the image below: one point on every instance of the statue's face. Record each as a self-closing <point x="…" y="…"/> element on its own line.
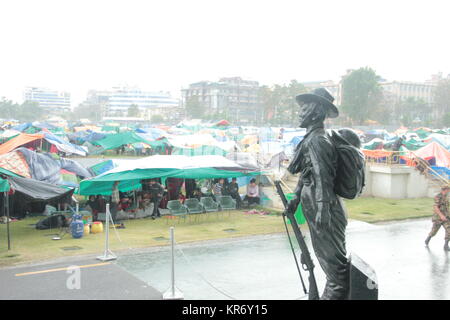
<point x="306" y="115"/>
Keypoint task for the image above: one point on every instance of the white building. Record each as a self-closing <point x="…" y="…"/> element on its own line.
<point x="49" y="100"/>
<point x="333" y="88"/>
<point x="121" y="98"/>
<point x="403" y="90"/>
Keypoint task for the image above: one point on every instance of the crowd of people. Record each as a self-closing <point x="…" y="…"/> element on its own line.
<point x="154" y="192"/>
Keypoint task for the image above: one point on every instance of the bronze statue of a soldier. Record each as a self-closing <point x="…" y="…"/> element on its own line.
<point x="316" y="161"/>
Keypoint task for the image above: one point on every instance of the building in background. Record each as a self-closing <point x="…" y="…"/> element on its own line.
<point x="402" y="90"/>
<point x="117" y="102"/>
<point x="394" y="92"/>
<point x="334" y="88"/>
<point x="232" y="98"/>
<point x="149" y="103"/>
<point x="52" y="101"/>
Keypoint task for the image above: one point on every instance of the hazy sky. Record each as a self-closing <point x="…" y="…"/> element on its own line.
<point x="165" y="45"/>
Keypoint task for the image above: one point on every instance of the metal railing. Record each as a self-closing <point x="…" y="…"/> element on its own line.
<point x="405" y="158"/>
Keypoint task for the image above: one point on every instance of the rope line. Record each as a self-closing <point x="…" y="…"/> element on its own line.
<point x="221" y="291"/>
<point x="203" y="278"/>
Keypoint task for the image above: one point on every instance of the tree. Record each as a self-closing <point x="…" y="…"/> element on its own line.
<point x="157" y="118"/>
<point x="295" y="88"/>
<point x="8" y="109"/>
<point x="194" y="108"/>
<point x="133" y="111"/>
<point x="442" y="100"/>
<point x="411" y="109"/>
<point x="278" y="103"/>
<point x="30" y="111"/>
<point x="446" y="120"/>
<point x="361" y="94"/>
<point x="27" y="111"/>
<point x="93" y="112"/>
<point x="265" y="98"/>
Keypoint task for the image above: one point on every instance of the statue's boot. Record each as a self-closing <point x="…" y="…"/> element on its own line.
<point x="335" y="291"/>
<point x="427" y="240"/>
<point x="446" y="247"/>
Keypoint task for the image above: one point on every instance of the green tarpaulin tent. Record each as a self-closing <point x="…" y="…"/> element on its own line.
<point x="4" y="185"/>
<point x="174" y="166"/>
<point x="201" y="151"/>
<point x="113" y="141"/>
<point x="422" y="133"/>
<point x="413" y="145"/>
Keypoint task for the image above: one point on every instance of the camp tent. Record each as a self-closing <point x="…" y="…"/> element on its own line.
<point x="34" y="190"/>
<point x="4" y="185"/>
<point x="163" y="166"/>
<point x="62" y="145"/>
<point x="41" y="167"/>
<point x="8" y="134"/>
<point x="373" y="144"/>
<point x="200" y="151"/>
<point x="443" y="139"/>
<point x="435" y="150"/>
<point x="244" y="159"/>
<point x="18" y="141"/>
<point x="113" y="141"/>
<point x="24" y="138"/>
<point x="413" y="144"/>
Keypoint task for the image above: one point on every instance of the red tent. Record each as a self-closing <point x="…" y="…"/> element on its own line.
<point x="223" y="123"/>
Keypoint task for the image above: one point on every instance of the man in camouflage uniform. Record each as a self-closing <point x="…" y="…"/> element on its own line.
<point x="441" y="216"/>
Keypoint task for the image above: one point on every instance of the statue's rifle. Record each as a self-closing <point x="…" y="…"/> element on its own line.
<point x="305" y="259"/>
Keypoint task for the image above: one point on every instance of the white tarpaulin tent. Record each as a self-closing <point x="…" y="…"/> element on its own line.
<point x="130" y="174"/>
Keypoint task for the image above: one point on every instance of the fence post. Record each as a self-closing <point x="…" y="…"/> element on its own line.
<point x="107" y="255"/>
<point x="173" y="293"/>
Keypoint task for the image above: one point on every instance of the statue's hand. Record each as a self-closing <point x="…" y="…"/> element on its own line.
<point x="323" y="218"/>
<point x="293" y="204"/>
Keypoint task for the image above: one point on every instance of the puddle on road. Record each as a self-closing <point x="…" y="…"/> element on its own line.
<point x="262" y="267"/>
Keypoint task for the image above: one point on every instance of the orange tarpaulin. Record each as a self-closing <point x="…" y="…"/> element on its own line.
<point x="18" y="141"/>
<point x="377" y="153"/>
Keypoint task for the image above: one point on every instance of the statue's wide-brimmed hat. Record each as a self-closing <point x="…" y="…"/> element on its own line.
<point x="322" y="96"/>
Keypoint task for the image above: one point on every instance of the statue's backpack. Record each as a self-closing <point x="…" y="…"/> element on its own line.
<point x="350" y="171"/>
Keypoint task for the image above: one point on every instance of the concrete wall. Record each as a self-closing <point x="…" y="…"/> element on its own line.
<point x="396" y="182"/>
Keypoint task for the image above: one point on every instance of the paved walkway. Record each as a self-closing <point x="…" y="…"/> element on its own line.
<point x="256" y="267"/>
<point x="262" y="267"/>
<point x="93" y="280"/>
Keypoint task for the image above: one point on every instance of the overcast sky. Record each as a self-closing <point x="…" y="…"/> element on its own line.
<point x="165" y="45"/>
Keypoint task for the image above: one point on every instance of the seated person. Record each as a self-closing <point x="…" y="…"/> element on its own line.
<point x="125" y="203"/>
<point x="181" y="197"/>
<point x="92" y="206"/>
<point x="233" y="191"/>
<point x="101" y="203"/>
<point x="145" y="200"/>
<point x="252" y="196"/>
<point x="197" y="194"/>
<point x="218" y="188"/>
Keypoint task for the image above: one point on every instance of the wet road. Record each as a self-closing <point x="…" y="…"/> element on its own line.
<point x="73" y="279"/>
<point x="262" y="267"/>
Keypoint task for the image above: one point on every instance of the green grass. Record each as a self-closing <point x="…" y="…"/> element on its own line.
<point x="29" y="244"/>
<point x="379" y="209"/>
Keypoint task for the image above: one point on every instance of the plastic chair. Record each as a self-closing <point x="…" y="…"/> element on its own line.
<point x="177" y="209"/>
<point x="226" y="203"/>
<point x="209" y="204"/>
<point x="194" y="206"/>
